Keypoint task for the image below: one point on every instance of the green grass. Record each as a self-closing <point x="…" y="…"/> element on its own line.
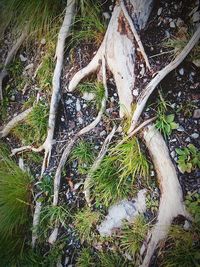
<point x="39" y="16"/>
<point x="33" y="130"/>
<point x="15" y="197"/>
<point x="97" y="89"/>
<point x="85" y="222"/>
<point x="84" y="154"/>
<point x="86" y="258"/>
<point x="132" y="235"/>
<point x="116" y="177"/>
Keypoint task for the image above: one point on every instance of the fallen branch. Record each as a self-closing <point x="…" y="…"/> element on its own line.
<point x="96" y="165"/>
<point x="171" y="202"/>
<point x="69" y="147"/>
<point x="9" y="58"/>
<point x="36" y="219"/>
<point x="160" y="76"/>
<point x="12" y="123"/>
<point x="136" y="35"/>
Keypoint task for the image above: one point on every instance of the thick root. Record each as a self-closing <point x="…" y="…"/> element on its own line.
<point x="171" y="202"/>
<point x="160" y="76"/>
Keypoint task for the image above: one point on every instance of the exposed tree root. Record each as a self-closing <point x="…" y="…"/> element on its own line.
<point x="12" y="123"/>
<point x="59" y="55"/>
<point x="137" y="37"/>
<point x="9" y="58"/>
<point x="96" y="165"/>
<point x="171" y="202"/>
<point x="36" y="219"/>
<point x="69" y="147"/>
<point x="142" y="100"/>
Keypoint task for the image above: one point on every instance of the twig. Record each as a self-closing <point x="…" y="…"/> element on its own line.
<point x="136" y="35"/>
<point x="159" y="77"/>
<point x="96" y="165"/>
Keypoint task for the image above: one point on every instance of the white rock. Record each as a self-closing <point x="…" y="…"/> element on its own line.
<point x="159" y="11"/>
<point x="78" y="105"/>
<point x="102" y="133"/>
<point x="22" y="58"/>
<point x="112" y="99"/>
<point x="69" y="101"/>
<point x="173" y="154"/>
<point x="172" y="24"/>
<point x="88" y="96"/>
<point x="135" y="92"/>
<point x="80" y="120"/>
<point x="179" y="22"/>
<point x="106" y="15"/>
<point x="181" y="71"/>
<point x="180" y="129"/>
<point x="43" y="41"/>
<point x="195" y="135"/>
<point x="196" y="16"/>
<point x="123" y="210"/>
<point x="188" y="140"/>
<point x="29" y="66"/>
<point x="196" y="114"/>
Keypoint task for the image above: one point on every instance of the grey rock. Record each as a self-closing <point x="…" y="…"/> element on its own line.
<point x="103" y="133"/>
<point x="159" y="11"/>
<point x="135" y="92"/>
<point x="106" y="15"/>
<point x="29" y="66"/>
<point x="188" y="140"/>
<point x="43" y="41"/>
<point x="173" y="154"/>
<point x="180" y="129"/>
<point x="12" y="98"/>
<point x="196" y="114"/>
<point x="78" y="105"/>
<point x="88" y="96"/>
<point x="195" y="135"/>
<point x="69" y="101"/>
<point x="22" y="58"/>
<point x="172" y="24"/>
<point x="196" y="16"/>
<point x="80" y="120"/>
<point x="181" y="71"/>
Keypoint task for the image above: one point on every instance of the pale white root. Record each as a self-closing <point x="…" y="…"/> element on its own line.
<point x="96" y="165"/>
<point x="159" y="77"/>
<point x="36" y="219"/>
<point x="14" y="121"/>
<point x="119" y="52"/>
<point x="69" y="147"/>
<point x="136" y="35"/>
<point x="9" y="58"/>
<point x="171" y="202"/>
<point x="59" y="55"/>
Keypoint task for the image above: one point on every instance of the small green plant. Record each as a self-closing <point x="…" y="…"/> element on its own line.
<point x="132" y="235"/>
<point x="97" y="89"/>
<point x="111" y="259"/>
<point x="33" y="131"/>
<point x="184" y="248"/>
<point x="15" y="196"/>
<point x="45" y="185"/>
<point x="152" y="204"/>
<point x="193" y="205"/>
<point x="165" y="123"/>
<point x="187" y="108"/>
<point x="86" y="258"/>
<point x="115" y="178"/>
<point x="84" y="222"/>
<point x="83" y="153"/>
<point x="188" y="158"/>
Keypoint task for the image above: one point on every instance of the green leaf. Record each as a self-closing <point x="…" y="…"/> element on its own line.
<point x="170" y="118"/>
<point x="174" y="125"/>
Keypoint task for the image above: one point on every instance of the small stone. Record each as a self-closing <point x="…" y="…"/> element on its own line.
<point x="112" y="99"/>
<point x="172" y="24"/>
<point x="78" y="105"/>
<point x="88" y="96"/>
<point x="181" y="71"/>
<point x="186" y="225"/>
<point x="196" y="16"/>
<point x="106" y="15"/>
<point x="29" y="66"/>
<point x="135" y="92"/>
<point x="96" y="147"/>
<point x="22" y="58"/>
<point x="180" y="129"/>
<point x="152" y="173"/>
<point x="179" y="94"/>
<point x="173" y="105"/>
<point x="173" y="154"/>
<point x="159" y="11"/>
<point x="195" y="135"/>
<point x="62" y="119"/>
<point x="110" y="7"/>
<point x="80" y="120"/>
<point x="120" y="129"/>
<point x="103" y="133"/>
<point x="69" y="101"/>
<point x="43" y="41"/>
<point x="188" y="140"/>
<point x="196" y="114"/>
<point x="84" y="105"/>
<point x="179" y="22"/>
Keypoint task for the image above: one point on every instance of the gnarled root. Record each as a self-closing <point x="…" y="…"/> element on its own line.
<point x="171" y="202"/>
<point x="96" y="165"/>
<point x="12" y="123"/>
<point x="160" y="76"/>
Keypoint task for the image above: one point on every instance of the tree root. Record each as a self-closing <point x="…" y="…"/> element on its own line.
<point x="96" y="165"/>
<point x="160" y="76"/>
<point x="171" y="202"/>
<point x="12" y="123"/>
<point x="9" y="58"/>
<point x="137" y="37"/>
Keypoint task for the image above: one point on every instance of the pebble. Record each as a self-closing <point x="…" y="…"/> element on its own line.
<point x="106" y="15"/>
<point x="159" y="11"/>
<point x="179" y="94"/>
<point x="88" y="96"/>
<point x="135" y="92"/>
<point x="173" y="154"/>
<point x="181" y="71"/>
<point x="102" y="133"/>
<point x="22" y="58"/>
<point x="196" y="16"/>
<point x="186" y="225"/>
<point x="12" y="98"/>
<point x="180" y="129"/>
<point x="179" y="22"/>
<point x="195" y="135"/>
<point x="69" y="101"/>
<point x="80" y="120"/>
<point x="84" y="105"/>
<point x="78" y="105"/>
<point x="43" y="41"/>
<point x="29" y="66"/>
<point x="196" y="114"/>
<point x="112" y="99"/>
<point x="188" y="140"/>
<point x="172" y="24"/>
<point x="62" y="119"/>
